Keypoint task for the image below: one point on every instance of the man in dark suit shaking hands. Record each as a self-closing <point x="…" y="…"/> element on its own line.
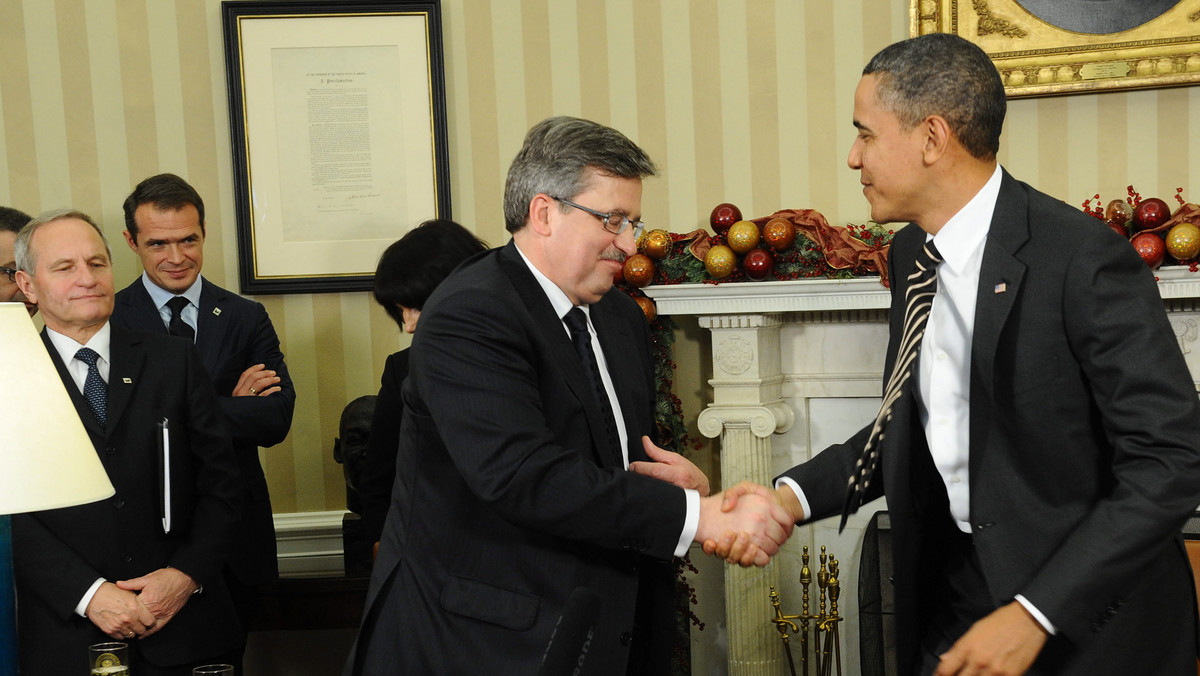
<point x="145" y="565"/>
<point x="529" y="395"/>
<point x="238" y="346"/>
<point x="1039" y="442"/>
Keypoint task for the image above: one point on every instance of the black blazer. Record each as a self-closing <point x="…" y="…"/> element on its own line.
<point x="511" y="505"/>
<point x="58" y="554"/>
<point x="375" y="489"/>
<point x="1085" y="446"/>
<point x="235" y="333"/>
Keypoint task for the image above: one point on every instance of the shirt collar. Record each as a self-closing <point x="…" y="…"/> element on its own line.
<point x="558" y="299"/>
<point x="966" y="230"/>
<point x="159" y="296"/>
<point x="101" y="342"/>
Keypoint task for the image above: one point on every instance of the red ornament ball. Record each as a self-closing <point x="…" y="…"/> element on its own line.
<point x="657" y="244"/>
<point x="648" y="307"/>
<point x="758" y="264"/>
<point x="639" y="270"/>
<point x="720" y="261"/>
<point x="1150" y="247"/>
<point x="724" y="215"/>
<point x="779" y="234"/>
<point x="1183" y="241"/>
<point x="619" y="275"/>
<point x="1150" y="214"/>
<point x="742" y="236"/>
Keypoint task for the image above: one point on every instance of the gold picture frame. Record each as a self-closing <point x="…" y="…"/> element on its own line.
<point x="1038" y="58"/>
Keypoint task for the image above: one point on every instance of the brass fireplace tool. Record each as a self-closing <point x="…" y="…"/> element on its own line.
<point x="826" y="644"/>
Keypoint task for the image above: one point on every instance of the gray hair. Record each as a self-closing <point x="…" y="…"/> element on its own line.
<point x="555" y="158"/>
<point x="945" y="75"/>
<point x="26" y="260"/>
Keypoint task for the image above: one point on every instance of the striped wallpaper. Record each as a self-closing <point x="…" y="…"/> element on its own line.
<point x="747" y="101"/>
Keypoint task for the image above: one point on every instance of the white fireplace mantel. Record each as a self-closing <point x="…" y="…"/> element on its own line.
<point x="796" y="366"/>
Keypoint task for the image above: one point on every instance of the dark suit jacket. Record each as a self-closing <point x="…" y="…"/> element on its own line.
<point x="235" y="333"/>
<point x="375" y="485"/>
<point x="512" y="505"/>
<point x="1084" y="447"/>
<point x="58" y="554"/>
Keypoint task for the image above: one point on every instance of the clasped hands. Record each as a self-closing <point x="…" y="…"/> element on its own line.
<point x="745" y="524"/>
<point x="141" y="606"/>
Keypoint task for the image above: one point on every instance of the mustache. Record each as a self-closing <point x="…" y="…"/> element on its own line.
<point x="614" y="254"/>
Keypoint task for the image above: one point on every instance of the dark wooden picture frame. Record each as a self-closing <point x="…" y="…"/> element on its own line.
<point x="337" y="115"/>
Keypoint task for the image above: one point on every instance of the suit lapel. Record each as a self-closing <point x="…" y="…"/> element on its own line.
<point x="139" y="309"/>
<point x="1000" y="278"/>
<point x="617" y="342"/>
<point x="213" y="322"/>
<point x="128" y="357"/>
<point x="559" y="347"/>
<point x="82" y="408"/>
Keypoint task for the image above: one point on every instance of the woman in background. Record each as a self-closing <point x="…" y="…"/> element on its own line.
<point x="408" y="272"/>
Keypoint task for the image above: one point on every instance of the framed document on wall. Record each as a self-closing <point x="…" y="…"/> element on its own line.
<point x="337" y="114"/>
<point x="1047" y="47"/>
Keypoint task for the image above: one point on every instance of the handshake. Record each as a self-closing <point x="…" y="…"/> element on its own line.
<point x="744" y="524"/>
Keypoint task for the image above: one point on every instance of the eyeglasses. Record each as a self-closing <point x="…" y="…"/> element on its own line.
<point x="612" y="221"/>
<point x="11" y="272"/>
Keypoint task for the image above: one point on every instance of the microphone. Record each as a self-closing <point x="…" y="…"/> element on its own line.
<point x="572" y="635"/>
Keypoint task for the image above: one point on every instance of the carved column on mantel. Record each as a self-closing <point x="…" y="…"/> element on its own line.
<point x="746" y="410"/>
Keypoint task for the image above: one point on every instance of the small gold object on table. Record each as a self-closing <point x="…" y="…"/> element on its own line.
<point x="823" y="626"/>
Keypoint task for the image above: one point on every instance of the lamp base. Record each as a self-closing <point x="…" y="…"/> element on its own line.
<point x="8" y="602"/>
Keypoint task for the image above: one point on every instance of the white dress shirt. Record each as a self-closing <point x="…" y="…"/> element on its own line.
<point x="190" y="314"/>
<point x="67" y="347"/>
<point x="562" y="305"/>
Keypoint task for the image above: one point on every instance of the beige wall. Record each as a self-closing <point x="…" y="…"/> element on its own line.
<point x="747" y="101"/>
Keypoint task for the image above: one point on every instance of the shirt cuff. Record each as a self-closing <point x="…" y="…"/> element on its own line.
<point x="1037" y="615"/>
<point x="81" y="608"/>
<point x="799" y="495"/>
<point x="691" y="522"/>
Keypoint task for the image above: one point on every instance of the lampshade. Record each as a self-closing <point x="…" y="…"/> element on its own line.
<point x="47" y="460"/>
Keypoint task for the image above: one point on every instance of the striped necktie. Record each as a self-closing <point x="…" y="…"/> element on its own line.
<point x="918" y="299"/>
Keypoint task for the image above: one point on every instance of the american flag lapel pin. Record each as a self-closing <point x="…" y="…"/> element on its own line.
<point x="1001" y="287"/>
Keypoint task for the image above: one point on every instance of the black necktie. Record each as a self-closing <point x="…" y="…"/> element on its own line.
<point x="577" y="323"/>
<point x="178" y="327"/>
<point x="95" y="390"/>
<point x="918" y="297"/>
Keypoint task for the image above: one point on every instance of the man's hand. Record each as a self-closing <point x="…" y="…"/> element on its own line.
<point x="163" y="593"/>
<point x="1005" y="643"/>
<point x="256" y="381"/>
<point x="760" y="523"/>
<point x="671" y="468"/>
<point x="118" y="613"/>
<point x="734" y="547"/>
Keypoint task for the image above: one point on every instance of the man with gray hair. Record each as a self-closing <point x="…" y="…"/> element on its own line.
<point x="1039" y="438"/>
<point x="538" y="522"/>
<point x="144" y="565"/>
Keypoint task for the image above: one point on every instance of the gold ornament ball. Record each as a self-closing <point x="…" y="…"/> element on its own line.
<point x="639" y="270"/>
<point x="656" y="244"/>
<point x="720" y="261"/>
<point x="742" y="236"/>
<point x="1183" y="241"/>
<point x="648" y="307"/>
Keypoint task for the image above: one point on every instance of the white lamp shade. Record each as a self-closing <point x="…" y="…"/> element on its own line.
<point x="47" y="460"/>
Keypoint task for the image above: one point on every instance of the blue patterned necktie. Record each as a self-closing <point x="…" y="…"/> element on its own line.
<point x="95" y="390"/>
<point x="918" y="299"/>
